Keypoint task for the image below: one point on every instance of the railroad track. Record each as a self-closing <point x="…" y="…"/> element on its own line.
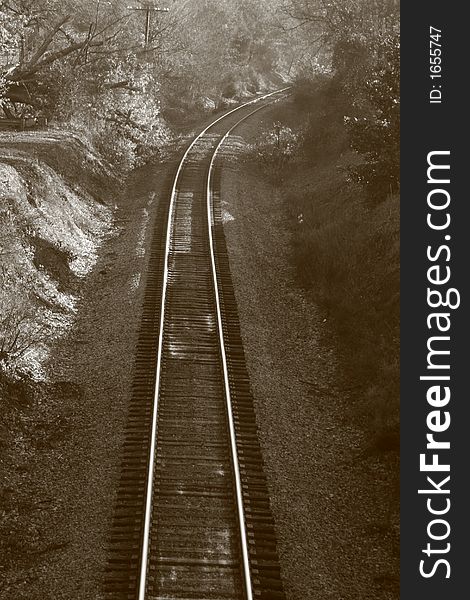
<point x="192" y="518"/>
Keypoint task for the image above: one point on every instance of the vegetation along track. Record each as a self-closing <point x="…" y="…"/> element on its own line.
<point x="192" y="517"/>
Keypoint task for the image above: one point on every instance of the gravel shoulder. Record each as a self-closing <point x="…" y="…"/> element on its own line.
<point x="336" y="528"/>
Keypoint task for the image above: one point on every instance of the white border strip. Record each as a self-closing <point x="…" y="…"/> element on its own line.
<point x="148" y="503"/>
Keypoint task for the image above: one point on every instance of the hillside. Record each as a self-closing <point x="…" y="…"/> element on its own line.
<point x="51" y="227"/>
<point x="73" y="240"/>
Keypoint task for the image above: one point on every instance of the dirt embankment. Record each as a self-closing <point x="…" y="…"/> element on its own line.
<point x="73" y="270"/>
<point x="334" y="502"/>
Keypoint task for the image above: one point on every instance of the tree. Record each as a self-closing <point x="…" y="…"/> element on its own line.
<point x="362" y="37"/>
<point x="223" y="48"/>
<point x="375" y="131"/>
<point x="343" y="30"/>
<point x="43" y="35"/>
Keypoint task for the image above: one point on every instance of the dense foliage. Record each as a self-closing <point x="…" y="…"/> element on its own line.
<point x="88" y="65"/>
<point x="359" y="41"/>
<point x="345" y="220"/>
<point x="375" y="129"/>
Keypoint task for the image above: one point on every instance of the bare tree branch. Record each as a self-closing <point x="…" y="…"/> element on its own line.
<point x="42" y="49"/>
<point x="122" y="85"/>
<point x="19" y="74"/>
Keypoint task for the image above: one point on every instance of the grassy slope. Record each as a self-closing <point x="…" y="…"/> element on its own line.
<point x="345" y="250"/>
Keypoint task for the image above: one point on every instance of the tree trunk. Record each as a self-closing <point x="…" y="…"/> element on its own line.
<point x="19" y="93"/>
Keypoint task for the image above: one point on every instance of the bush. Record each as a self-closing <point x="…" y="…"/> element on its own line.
<point x="122" y="122"/>
<point x="18" y="332"/>
<point x="274" y="150"/>
<point x="357" y="108"/>
<point x="324" y="136"/>
<point x="374" y="128"/>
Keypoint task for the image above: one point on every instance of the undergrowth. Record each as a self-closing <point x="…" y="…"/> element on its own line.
<point x="345" y="250"/>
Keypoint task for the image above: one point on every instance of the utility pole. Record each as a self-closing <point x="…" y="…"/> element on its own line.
<point x="148" y="8"/>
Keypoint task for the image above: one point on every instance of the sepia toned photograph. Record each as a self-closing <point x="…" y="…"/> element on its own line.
<point x="199" y="299"/>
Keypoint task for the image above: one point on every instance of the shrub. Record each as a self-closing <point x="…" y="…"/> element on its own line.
<point x="374" y="128"/>
<point x="324" y="137"/>
<point x="274" y="150"/>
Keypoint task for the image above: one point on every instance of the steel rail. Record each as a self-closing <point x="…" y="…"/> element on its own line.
<point x="153" y="439"/>
<point x="228" y="398"/>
